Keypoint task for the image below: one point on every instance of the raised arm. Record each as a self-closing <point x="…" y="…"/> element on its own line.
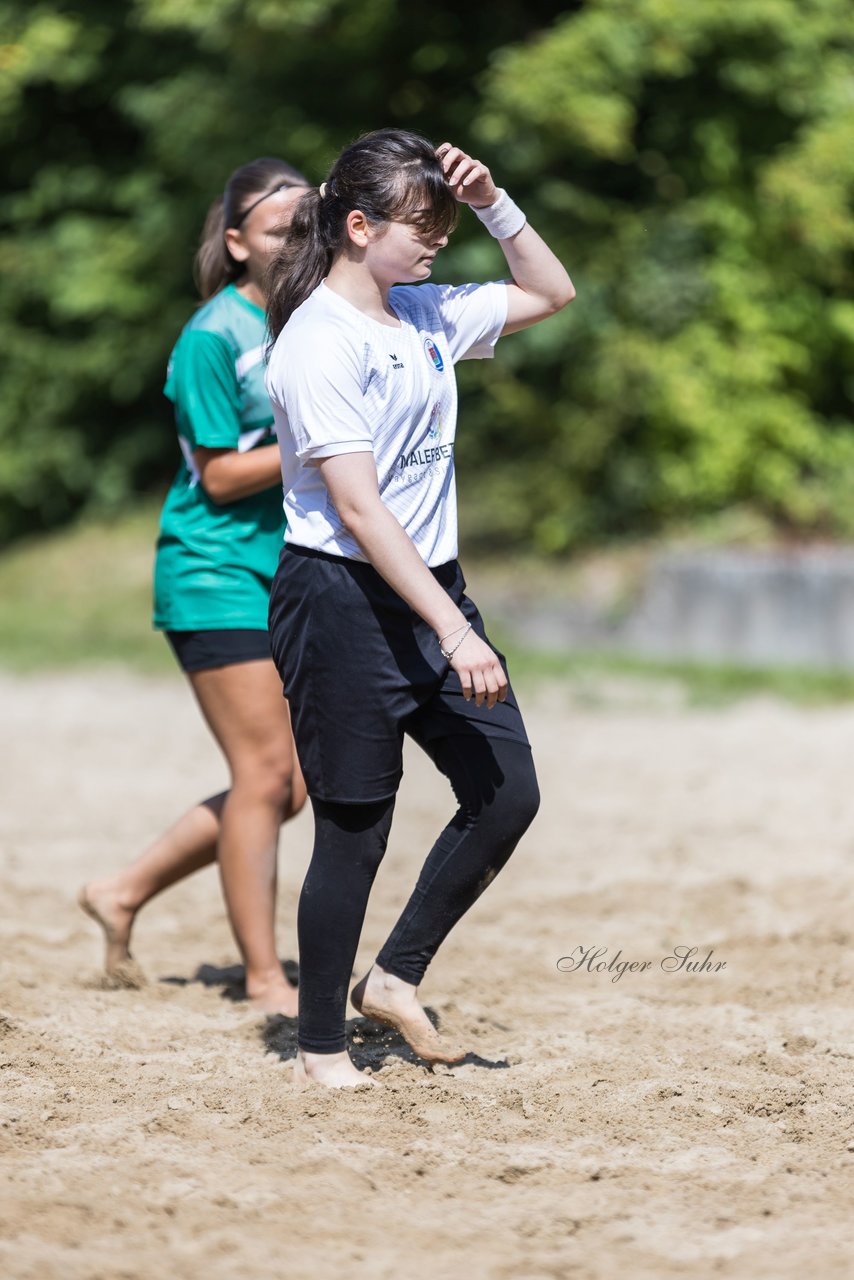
<point x="540" y="284"/>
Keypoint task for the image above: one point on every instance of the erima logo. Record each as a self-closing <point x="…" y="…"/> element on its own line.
<point x="395" y="363"/>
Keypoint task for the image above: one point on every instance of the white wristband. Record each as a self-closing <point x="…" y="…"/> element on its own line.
<point x="502" y="219"/>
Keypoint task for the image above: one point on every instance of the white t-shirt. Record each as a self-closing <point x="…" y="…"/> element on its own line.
<point x="341" y="382"/>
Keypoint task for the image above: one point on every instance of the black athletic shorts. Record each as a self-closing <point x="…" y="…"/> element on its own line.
<point x="360" y="668"/>
<point x="204" y="650"/>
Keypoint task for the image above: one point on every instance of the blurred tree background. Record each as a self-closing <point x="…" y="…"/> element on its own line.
<point x="691" y="163"/>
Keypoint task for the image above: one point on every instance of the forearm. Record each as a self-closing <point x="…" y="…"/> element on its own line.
<point x="536" y="270"/>
<point x="352" y="482"/>
<point x="392" y="553"/>
<point x="540" y="285"/>
<point x="227" y="475"/>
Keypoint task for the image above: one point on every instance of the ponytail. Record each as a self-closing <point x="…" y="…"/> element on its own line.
<point x="247" y="187"/>
<point x="214" y="266"/>
<point x="298" y="268"/>
<point x="389" y="174"/>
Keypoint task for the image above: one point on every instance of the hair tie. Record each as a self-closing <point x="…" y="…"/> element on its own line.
<point x="322" y="189"/>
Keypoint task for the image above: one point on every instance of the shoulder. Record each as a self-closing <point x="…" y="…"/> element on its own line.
<point x="318" y="327"/>
<point x="419" y="302"/>
<point x="320" y="340"/>
<point x="229" y="319"/>
<point x="413" y="301"/>
<point x="325" y="309"/>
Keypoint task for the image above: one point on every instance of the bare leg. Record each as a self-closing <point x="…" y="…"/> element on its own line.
<point x="244" y="708"/>
<point x="113" y="902"/>
<point x="193" y="842"/>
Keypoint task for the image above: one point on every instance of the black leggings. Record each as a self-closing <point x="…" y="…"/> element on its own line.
<point x="496" y="789"/>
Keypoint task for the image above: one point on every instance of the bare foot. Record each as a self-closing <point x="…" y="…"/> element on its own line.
<point x="100" y="899"/>
<point x="395" y="1003"/>
<point x="334" y="1070"/>
<point x="273" y="996"/>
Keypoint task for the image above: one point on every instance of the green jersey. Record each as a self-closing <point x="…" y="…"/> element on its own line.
<point x="215" y="563"/>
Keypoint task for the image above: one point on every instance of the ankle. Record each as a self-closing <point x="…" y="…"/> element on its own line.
<point x="116" y="889"/>
<point x="270" y="975"/>
<point x="393" y="985"/>
<point x="127" y="896"/>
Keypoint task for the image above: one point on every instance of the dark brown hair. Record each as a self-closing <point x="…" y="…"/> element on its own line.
<point x="214" y="266"/>
<point x="388" y="175"/>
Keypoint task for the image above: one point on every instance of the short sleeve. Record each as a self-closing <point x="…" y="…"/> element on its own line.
<point x="316" y="378"/>
<point x="472" y="317"/>
<point x="202" y="383"/>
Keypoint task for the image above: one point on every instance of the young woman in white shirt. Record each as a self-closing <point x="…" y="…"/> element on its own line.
<point x="370" y="626"/>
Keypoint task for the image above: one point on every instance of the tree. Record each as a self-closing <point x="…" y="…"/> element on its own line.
<point x="690" y="162"/>
<point x="118" y="124"/>
<point x="694" y="164"/>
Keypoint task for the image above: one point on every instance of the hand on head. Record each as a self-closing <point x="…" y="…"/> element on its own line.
<point x="470" y="181"/>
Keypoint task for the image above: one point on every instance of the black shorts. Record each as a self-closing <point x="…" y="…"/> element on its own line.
<point x="360" y="668"/>
<point x="204" y="650"/>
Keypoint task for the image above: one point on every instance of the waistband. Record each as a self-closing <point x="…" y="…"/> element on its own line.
<point x="440" y="571"/>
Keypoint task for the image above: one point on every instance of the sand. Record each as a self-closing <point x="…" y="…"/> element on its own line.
<point x="661" y="1124"/>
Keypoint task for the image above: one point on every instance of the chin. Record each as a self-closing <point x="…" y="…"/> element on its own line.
<point x="417" y="275"/>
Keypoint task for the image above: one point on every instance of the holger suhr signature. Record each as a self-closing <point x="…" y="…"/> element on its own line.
<point x="679" y="960"/>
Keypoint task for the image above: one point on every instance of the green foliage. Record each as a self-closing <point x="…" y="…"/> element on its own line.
<point x="690" y="162"/>
<point x="701" y="177"/>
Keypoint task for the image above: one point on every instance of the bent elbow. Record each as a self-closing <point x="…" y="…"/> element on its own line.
<point x="354" y="518"/>
<point x="358" y="514"/>
<point x="559" y="296"/>
<point x="564" y="296"/>
<point x="215" y="490"/>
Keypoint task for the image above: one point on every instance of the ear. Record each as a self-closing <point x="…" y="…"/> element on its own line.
<point x="236" y="247"/>
<point x="358" y="228"/>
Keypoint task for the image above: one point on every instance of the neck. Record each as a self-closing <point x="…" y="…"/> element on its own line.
<point x="352" y="280"/>
<point x="252" y="292"/>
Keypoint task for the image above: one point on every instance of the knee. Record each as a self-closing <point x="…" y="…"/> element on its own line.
<point x="526" y="797"/>
<point x="270" y="781"/>
<point x="358" y="834"/>
<point x="518" y="800"/>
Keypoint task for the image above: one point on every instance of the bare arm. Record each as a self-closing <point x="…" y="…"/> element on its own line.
<point x="540" y="285"/>
<point x="352" y="482"/>
<point x="227" y="475"/>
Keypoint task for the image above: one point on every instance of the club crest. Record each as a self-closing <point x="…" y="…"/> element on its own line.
<point x="434" y="355"/>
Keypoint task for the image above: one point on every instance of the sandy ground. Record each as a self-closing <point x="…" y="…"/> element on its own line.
<point x="663" y="1124"/>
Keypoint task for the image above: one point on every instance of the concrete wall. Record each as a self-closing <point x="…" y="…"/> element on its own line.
<point x="751" y="608"/>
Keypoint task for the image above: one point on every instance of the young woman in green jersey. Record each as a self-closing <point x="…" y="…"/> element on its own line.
<point x="220" y="537"/>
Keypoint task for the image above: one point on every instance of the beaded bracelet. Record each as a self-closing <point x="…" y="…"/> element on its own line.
<point x="447" y="654"/>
